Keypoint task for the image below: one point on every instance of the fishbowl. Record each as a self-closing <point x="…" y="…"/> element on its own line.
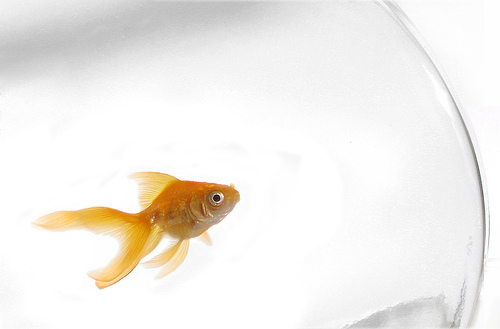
<point x="361" y="199"/>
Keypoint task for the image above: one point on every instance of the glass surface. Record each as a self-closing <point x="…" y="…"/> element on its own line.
<point x="361" y="200"/>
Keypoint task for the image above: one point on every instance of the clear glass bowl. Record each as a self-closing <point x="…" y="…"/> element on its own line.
<point x="361" y="198"/>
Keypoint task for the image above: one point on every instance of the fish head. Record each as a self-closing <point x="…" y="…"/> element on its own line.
<point x="214" y="202"/>
<point x="220" y="201"/>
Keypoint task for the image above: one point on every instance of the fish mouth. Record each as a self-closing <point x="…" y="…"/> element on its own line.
<point x="236" y="195"/>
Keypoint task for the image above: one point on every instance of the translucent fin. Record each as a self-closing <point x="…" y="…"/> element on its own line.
<point x="163" y="257"/>
<point x="153" y="241"/>
<point x="205" y="238"/>
<point x="129" y="255"/>
<point x="137" y="238"/>
<point x="171" y="257"/>
<point x="58" y="221"/>
<point x="176" y="260"/>
<point x="151" y="184"/>
<point x="99" y="220"/>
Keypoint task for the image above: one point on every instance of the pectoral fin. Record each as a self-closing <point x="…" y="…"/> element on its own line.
<point x="205" y="238"/>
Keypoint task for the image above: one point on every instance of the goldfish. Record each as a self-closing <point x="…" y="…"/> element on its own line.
<point x="180" y="210"/>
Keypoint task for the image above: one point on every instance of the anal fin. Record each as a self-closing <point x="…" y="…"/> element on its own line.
<point x="170" y="258"/>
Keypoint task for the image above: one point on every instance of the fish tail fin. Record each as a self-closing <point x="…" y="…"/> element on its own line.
<point x="137" y="237"/>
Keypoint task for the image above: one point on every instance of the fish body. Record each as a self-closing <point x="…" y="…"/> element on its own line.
<point x="169" y="207"/>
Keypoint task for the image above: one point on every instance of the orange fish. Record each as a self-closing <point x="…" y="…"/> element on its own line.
<point x="169" y="207"/>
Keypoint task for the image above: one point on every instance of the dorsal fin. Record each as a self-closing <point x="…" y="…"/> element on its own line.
<point x="151" y="184"/>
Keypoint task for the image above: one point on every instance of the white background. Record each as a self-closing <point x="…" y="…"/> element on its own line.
<point x="454" y="32"/>
<point x="463" y="35"/>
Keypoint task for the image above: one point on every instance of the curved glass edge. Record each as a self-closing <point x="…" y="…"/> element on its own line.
<point x="404" y="21"/>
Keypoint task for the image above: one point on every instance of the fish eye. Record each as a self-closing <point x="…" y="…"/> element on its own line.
<point x="215" y="198"/>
